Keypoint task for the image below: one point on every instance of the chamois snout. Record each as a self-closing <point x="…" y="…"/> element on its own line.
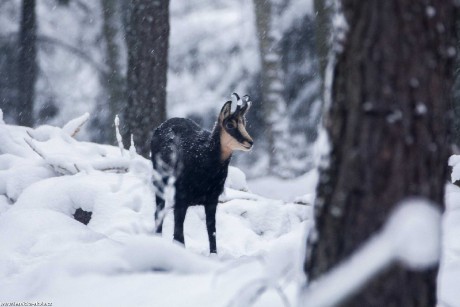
<point x="248" y="145"/>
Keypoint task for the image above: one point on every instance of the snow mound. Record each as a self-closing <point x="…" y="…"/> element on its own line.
<point x="454" y="162"/>
<point x="236" y="179"/>
<point x="287" y="190"/>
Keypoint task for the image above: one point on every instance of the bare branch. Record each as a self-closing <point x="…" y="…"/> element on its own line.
<point x="44" y="39"/>
<point x="115" y="169"/>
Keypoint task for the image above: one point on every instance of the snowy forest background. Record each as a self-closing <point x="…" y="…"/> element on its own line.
<point x="351" y="193"/>
<point x="213" y="51"/>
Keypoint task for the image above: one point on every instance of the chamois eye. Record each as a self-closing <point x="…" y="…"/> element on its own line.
<point x="230" y="125"/>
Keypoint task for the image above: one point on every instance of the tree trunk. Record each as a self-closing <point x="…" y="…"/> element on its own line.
<point x="456" y="94"/>
<point x="388" y="126"/>
<point x="272" y="77"/>
<point x="27" y="64"/>
<point x="147" y="40"/>
<point x="322" y="33"/>
<point x="114" y="81"/>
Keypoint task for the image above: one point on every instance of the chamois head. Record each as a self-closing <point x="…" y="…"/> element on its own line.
<point x="233" y="126"/>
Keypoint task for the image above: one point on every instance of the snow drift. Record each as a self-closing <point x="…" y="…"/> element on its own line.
<point x="116" y="260"/>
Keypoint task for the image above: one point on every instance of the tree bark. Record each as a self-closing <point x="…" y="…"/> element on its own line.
<point x="388" y="126"/>
<point x="322" y="33"/>
<point x="27" y="64"/>
<point x="114" y="81"/>
<point x="272" y="77"/>
<point x="147" y="41"/>
<point x="456" y="95"/>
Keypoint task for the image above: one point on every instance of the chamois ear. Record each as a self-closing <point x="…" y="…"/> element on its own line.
<point x="226" y="111"/>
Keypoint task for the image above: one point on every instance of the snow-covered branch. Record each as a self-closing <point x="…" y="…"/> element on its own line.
<point x="62" y="167"/>
<point x="118" y="135"/>
<point x="132" y="148"/>
<point x="411" y="236"/>
<point x="74" y="126"/>
<point x="58" y="167"/>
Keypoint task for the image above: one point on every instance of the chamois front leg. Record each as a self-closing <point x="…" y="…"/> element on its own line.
<point x="210" y="210"/>
<point x="179" y="217"/>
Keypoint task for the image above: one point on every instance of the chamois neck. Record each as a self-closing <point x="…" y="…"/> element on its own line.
<point x="224" y="152"/>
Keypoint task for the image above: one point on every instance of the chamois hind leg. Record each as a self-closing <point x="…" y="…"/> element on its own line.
<point x="159" y="214"/>
<point x="179" y="217"/>
<point x="210" y="210"/>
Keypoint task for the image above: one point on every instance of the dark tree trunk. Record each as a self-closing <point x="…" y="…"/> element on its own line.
<point x="9" y="73"/>
<point x="147" y="40"/>
<point x="322" y="33"/>
<point x="27" y="65"/>
<point x="388" y="126"/>
<point x="456" y="94"/>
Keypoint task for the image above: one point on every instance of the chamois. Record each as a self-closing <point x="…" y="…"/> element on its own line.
<point x="201" y="162"/>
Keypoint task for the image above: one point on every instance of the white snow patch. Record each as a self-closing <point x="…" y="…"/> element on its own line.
<point x="287" y="190"/>
<point x="236" y="179"/>
<point x="454" y="162"/>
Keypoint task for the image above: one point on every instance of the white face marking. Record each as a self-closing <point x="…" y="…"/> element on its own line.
<point x="245" y="134"/>
<point x="230" y="144"/>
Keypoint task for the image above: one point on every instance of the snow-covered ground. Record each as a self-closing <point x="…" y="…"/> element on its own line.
<point x="117" y="260"/>
<point x="300" y="189"/>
